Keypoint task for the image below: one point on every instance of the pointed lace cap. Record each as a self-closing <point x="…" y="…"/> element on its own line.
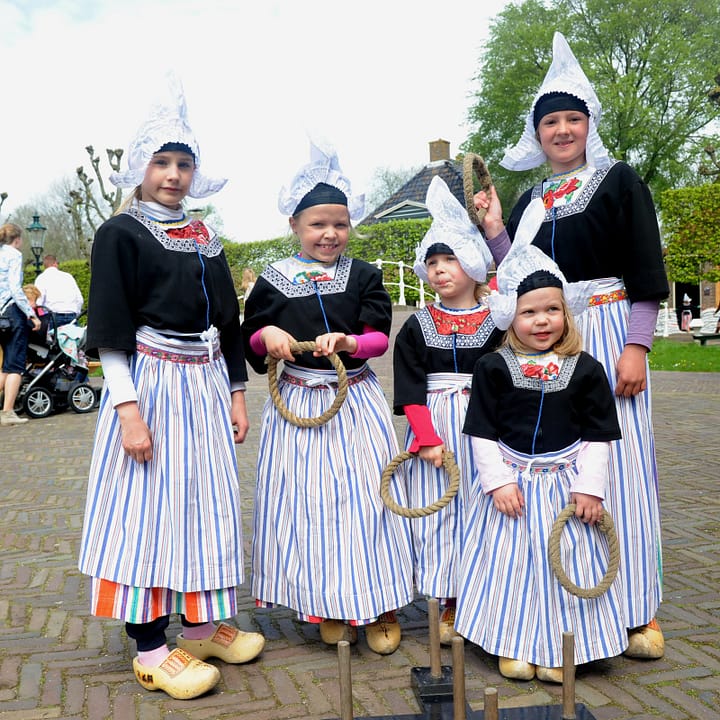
<point x="522" y="260"/>
<point x="167" y="123"/>
<point x="451" y="226"/>
<point x="323" y="167"/>
<point x="564" y="75"/>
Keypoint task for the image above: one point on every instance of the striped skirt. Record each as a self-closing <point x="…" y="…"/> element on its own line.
<point x="633" y="483"/>
<point x="509" y="601"/>
<point x="436" y="537"/>
<point x="159" y="530"/>
<point x="324" y="544"/>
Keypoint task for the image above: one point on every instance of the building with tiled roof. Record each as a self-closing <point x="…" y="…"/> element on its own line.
<point x="408" y="203"/>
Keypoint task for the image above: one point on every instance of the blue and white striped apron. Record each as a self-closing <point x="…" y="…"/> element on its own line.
<point x="633" y="482"/>
<point x="436" y="537"/>
<point x="509" y="601"/>
<point x="324" y="543"/>
<point x="172" y="522"/>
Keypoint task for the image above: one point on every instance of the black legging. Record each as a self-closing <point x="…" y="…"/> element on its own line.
<point x="151" y="635"/>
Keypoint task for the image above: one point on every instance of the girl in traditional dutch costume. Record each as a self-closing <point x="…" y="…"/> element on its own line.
<point x="433" y="359"/>
<point x="162" y="529"/>
<point x="600" y="225"/>
<point x="541" y="416"/>
<point x="324" y="544"/>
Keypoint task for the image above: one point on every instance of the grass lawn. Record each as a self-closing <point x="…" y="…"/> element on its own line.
<point x="684" y="356"/>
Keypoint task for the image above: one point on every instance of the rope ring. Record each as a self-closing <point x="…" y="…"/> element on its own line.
<point x="307" y="346"/>
<point x="474" y="167"/>
<point x="605" y="525"/>
<point x="450" y="467"/>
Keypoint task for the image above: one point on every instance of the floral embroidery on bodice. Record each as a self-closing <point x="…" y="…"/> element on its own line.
<point x="448" y="323"/>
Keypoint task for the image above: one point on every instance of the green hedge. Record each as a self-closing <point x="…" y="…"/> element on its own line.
<point x="391" y="241"/>
<point x="691" y="223"/>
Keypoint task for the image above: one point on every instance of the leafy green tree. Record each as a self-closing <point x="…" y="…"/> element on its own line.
<point x="650" y="64"/>
<point x="691" y="221"/>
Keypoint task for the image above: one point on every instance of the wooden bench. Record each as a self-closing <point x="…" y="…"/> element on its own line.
<point x="707" y="336"/>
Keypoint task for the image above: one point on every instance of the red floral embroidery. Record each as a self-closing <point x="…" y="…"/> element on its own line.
<point x="195" y="230"/>
<point x="311" y="276"/>
<point x="560" y="190"/>
<point x="450" y="323"/>
<point x="532" y="369"/>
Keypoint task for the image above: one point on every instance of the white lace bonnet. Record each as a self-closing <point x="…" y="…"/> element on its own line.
<point x="167" y="123"/>
<point x="451" y="226"/>
<point x="522" y="260"/>
<point x="323" y="167"/>
<point x="564" y="75"/>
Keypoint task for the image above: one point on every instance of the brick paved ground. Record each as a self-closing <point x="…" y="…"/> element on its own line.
<point x="58" y="662"/>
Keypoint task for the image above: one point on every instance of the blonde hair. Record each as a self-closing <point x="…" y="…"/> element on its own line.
<point x="570" y="342"/>
<point x="130" y="200"/>
<point x="248" y="278"/>
<point x="9" y="232"/>
<point x="32" y="292"/>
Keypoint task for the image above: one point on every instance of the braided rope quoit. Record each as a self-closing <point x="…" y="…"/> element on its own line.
<point x="450" y="467"/>
<point x="607" y="526"/>
<point x="474" y="167"/>
<point x="307" y="346"/>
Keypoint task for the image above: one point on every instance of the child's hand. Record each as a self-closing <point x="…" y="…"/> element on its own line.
<point x="329" y="343"/>
<point x="589" y="508"/>
<point x="492" y="223"/>
<point x="136" y="438"/>
<point x="433" y="454"/>
<point x="277" y="343"/>
<point x="509" y="500"/>
<point x="238" y="416"/>
<point x="631" y="378"/>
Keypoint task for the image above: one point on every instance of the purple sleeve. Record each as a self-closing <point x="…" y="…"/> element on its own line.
<point x="642" y="322"/>
<point x="499" y="246"/>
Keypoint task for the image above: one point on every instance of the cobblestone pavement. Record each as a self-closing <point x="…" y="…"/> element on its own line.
<point x="56" y="661"/>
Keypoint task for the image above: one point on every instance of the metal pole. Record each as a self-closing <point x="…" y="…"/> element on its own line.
<point x="458" y="654"/>
<point x="568" y="711"/>
<point x="346" y="710"/>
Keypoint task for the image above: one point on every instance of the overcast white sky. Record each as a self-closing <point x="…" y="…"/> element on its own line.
<point x="380" y="79"/>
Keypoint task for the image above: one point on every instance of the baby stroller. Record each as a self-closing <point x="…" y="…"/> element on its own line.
<point x="56" y="371"/>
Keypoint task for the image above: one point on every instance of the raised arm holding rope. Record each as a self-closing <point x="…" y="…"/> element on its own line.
<point x="541" y="416"/>
<point x="324" y="543"/>
<point x="433" y="359"/>
<point x="600" y="224"/>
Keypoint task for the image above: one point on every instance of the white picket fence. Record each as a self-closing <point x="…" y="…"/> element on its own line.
<point x="402" y="285"/>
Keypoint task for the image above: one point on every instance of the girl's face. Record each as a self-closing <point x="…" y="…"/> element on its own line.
<point x="563" y="136"/>
<point x="540" y="319"/>
<point x="168" y="178"/>
<point x="447" y="278"/>
<point x="323" y="231"/>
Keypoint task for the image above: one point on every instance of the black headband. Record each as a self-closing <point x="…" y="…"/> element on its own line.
<point x="439" y="249"/>
<point x="555" y="101"/>
<point x="322" y="194"/>
<point x="176" y="147"/>
<point x="538" y="279"/>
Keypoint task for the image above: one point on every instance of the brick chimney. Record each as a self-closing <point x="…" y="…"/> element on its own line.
<point x="439" y="150"/>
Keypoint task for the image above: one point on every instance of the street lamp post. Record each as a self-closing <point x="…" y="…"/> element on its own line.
<point x="37" y="231"/>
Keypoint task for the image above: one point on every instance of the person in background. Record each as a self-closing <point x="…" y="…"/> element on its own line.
<point x="433" y="359"/>
<point x="19" y="316"/>
<point x="59" y="292"/>
<point x="162" y="529"/>
<point x="541" y="418"/>
<point x="324" y="544"/>
<point x="600" y="224"/>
